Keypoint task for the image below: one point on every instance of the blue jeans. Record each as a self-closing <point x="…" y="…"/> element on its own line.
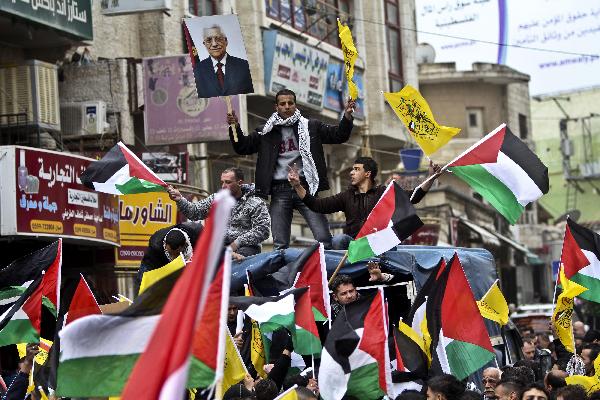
<point x="283" y="202"/>
<point x="341" y="241"/>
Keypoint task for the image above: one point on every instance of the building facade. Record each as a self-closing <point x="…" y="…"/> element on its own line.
<point x="102" y="64"/>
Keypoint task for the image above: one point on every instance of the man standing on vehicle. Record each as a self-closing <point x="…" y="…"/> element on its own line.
<point x="288" y="138"/>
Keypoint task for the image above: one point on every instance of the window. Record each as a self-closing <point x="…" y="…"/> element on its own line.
<point x="523" y="131"/>
<point x="475" y="122"/>
<point x="314" y="17"/>
<point x="202" y="7"/>
<point x="392" y="24"/>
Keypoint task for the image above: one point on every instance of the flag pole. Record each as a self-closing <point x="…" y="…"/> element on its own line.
<point x="230" y="111"/>
<point x="560" y="264"/>
<point x="337" y="269"/>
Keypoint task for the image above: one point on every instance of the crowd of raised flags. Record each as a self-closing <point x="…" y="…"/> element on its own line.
<point x="174" y="336"/>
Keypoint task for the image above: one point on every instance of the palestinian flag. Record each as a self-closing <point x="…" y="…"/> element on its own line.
<point x="208" y="346"/>
<point x="271" y="313"/>
<point x="83" y="302"/>
<point x="461" y="344"/>
<point x="16" y="277"/>
<point x="355" y="360"/>
<point x="121" y="172"/>
<point x="502" y="169"/>
<point x="417" y="317"/>
<point x="291" y="311"/>
<point x="160" y="374"/>
<point x="22" y="322"/>
<point x="392" y="220"/>
<point x="411" y="359"/>
<point x="308" y="270"/>
<point x="581" y="259"/>
<point x="98" y="352"/>
<point x="306" y="336"/>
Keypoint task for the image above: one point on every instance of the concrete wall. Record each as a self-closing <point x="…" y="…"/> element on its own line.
<point x="102" y="80"/>
<point x="449" y="103"/>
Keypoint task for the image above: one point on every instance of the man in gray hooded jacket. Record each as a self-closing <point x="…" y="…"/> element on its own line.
<point x="249" y="224"/>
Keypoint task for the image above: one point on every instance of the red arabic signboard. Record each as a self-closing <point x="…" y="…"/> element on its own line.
<point x="46" y="197"/>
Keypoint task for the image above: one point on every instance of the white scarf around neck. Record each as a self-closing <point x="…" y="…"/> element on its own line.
<point x="308" y="164"/>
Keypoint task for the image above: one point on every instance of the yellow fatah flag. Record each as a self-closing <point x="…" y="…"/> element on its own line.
<point x="290" y="394"/>
<point x="234" y="370"/>
<point x="413" y="110"/>
<point x="426" y="339"/>
<point x="350" y="55"/>
<point x="412" y="334"/>
<point x="151" y="277"/>
<point x="590" y="383"/>
<point x="493" y="305"/>
<point x="257" y="347"/>
<point x="563" y="311"/>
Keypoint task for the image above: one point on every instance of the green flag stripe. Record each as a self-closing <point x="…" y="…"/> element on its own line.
<point x="593" y="285"/>
<point x="18" y="331"/>
<point x="135" y="185"/>
<point x="318" y="316"/>
<point x="305" y="343"/>
<point x="465" y="358"/>
<point x="359" y="249"/>
<point x="492" y="189"/>
<point x="278" y="321"/>
<point x="11" y="291"/>
<point x="102" y="376"/>
<point x="364" y="383"/>
<point x="200" y="374"/>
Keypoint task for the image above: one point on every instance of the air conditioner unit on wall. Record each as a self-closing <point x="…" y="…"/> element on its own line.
<point x="83" y="118"/>
<point x="31" y="89"/>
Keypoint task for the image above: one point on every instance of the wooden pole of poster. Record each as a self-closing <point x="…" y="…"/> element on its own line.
<point x="230" y="111"/>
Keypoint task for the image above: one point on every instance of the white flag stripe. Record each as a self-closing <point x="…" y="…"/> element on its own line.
<point x="174" y="386"/>
<point x="443" y="342"/>
<point x="515" y="178"/>
<point x="266" y="311"/>
<point x="383" y="240"/>
<point x="120" y="177"/>
<point x="592" y="270"/>
<point x="106" y="335"/>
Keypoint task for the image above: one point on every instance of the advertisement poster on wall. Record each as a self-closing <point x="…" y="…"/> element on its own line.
<point x="293" y="65"/>
<point x="173" y="113"/>
<point x="46" y="197"/>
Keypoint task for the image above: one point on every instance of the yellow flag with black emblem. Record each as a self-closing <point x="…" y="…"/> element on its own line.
<point x="563" y="311"/>
<point x="350" y="55"/>
<point x="414" y="112"/>
<point x="590" y="383"/>
<point x="493" y="305"/>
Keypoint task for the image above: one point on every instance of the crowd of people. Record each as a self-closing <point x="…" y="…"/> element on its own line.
<point x="291" y="169"/>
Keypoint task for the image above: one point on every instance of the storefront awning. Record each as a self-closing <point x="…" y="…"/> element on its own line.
<point x="487" y="236"/>
<point x="532" y="258"/>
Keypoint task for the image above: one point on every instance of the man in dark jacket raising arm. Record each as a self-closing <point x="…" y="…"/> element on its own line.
<point x="287" y="138"/>
<point x="357" y="201"/>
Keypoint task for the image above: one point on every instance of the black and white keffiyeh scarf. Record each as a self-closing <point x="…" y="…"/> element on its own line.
<point x="308" y="164"/>
<point x="187" y="252"/>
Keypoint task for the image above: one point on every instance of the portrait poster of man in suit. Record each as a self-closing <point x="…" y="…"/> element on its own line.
<point x="218" y="56"/>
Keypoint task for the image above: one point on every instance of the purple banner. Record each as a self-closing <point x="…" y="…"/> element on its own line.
<point x="173" y="113"/>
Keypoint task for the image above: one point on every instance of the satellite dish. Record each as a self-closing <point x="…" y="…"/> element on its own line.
<point x="425" y="53"/>
<point x="572" y="214"/>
